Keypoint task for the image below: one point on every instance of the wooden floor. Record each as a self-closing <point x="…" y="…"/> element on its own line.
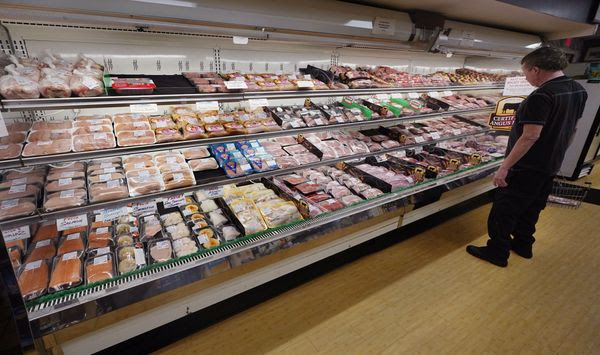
<point x="427" y="295"/>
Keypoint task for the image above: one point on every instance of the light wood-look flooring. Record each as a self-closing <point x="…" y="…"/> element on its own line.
<point x="426" y="295"/>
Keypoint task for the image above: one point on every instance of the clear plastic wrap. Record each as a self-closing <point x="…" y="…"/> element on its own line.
<point x="129" y="117"/>
<point x="150" y="227"/>
<point x="18" y="87"/>
<point x="33" y="279"/>
<point x="49" y="135"/>
<point x="203" y="164"/>
<point x="237" y="167"/>
<point x="195" y="153"/>
<point x="184" y="246"/>
<point x="145" y="181"/>
<point x="63" y="174"/>
<point x="94" y="141"/>
<point x="99" y="268"/>
<point x="167" y="135"/>
<point x="276" y="212"/>
<point x="41" y="250"/>
<point x="47" y="147"/>
<point x="171" y="219"/>
<point x="138" y="125"/>
<point x="177" y="231"/>
<point x="67" y="271"/>
<point x="82" y="84"/>
<point x="92" y="129"/>
<point x="10" y="151"/>
<point x="17" y="208"/>
<point x="100" y="237"/>
<point x="65" y="199"/>
<point x="54" y="84"/>
<point x="14" y="138"/>
<point x="130" y="258"/>
<point x="160" y="250"/>
<point x="248" y="215"/>
<point x="130" y="138"/>
<point x="70" y="243"/>
<point x="108" y="191"/>
<point x="177" y="179"/>
<point x="65" y="184"/>
<point x="208" y="238"/>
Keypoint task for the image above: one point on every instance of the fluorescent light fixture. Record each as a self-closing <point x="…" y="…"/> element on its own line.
<point x="449" y="55"/>
<point x="170" y="2"/>
<point x="360" y="24"/>
<point x="534" y="45"/>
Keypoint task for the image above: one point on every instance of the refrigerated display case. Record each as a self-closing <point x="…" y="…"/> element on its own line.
<point x="97" y="311"/>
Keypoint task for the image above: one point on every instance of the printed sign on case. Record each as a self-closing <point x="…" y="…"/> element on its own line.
<point x="503" y="117"/>
<point x="71" y="222"/>
<point x="517" y="86"/>
<point x="143" y="108"/>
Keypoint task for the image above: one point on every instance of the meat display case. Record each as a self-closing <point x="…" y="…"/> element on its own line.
<point x="92" y="318"/>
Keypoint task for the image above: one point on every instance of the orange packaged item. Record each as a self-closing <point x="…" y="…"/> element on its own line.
<point x="46" y="231"/>
<point x="70" y="243"/>
<point x="75" y="230"/>
<point x="33" y="279"/>
<point x="66" y="271"/>
<point x="20" y="243"/>
<point x="100" y="238"/>
<point x="99" y="268"/>
<point x="44" y="249"/>
<point x="15" y="255"/>
<point x="100" y="224"/>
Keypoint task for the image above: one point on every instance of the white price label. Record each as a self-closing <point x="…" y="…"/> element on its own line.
<point x="143" y="108"/>
<point x="305" y="84"/>
<point x="101" y="260"/>
<point x="457" y="131"/>
<point x="174" y="201"/>
<point x="139" y="133"/>
<point x="6" y="204"/>
<point x="397" y="96"/>
<point x="140" y="124"/>
<point x="340" y="119"/>
<point x="17" y="189"/>
<point x="18" y="233"/>
<point x="177" y="177"/>
<point x="418" y="150"/>
<point x="141" y="208"/>
<point x="100" y="136"/>
<point x="65" y="181"/>
<point x="113" y="184"/>
<point x="236" y="85"/>
<point x="202" y="239"/>
<point x="319" y="122"/>
<point x="90" y="82"/>
<point x="106" y="165"/>
<point x="294" y="124"/>
<point x="67" y="194"/>
<point x="419" y="139"/>
<point x="3" y="130"/>
<point x="384" y="26"/>
<point x="435" y="135"/>
<point x="161" y="124"/>
<point x="517" y="86"/>
<point x="447" y="93"/>
<point x="413" y="95"/>
<point x="44" y="142"/>
<point x="256" y="103"/>
<point x="69" y="256"/>
<point x="139" y="165"/>
<point x="18" y="181"/>
<point x="401" y="153"/>
<point x="140" y="259"/>
<point x="71" y="222"/>
<point x="73" y="236"/>
<point x="382" y="97"/>
<point x="33" y="265"/>
<point x="101" y="251"/>
<point x="3" y="147"/>
<point x="109" y="170"/>
<point x="433" y="94"/>
<point x="213" y="193"/>
<point x="42" y="243"/>
<point x="203" y="106"/>
<point x="104" y="177"/>
<point x="67" y="174"/>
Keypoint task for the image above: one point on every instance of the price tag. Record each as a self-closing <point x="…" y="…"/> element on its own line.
<point x="419" y="139"/>
<point x="139" y="165"/>
<point x="101" y="251"/>
<point x="69" y="256"/>
<point x="67" y="194"/>
<point x="17" y="189"/>
<point x="140" y="259"/>
<point x="401" y="153"/>
<point x="42" y="243"/>
<point x="6" y="204"/>
<point x="433" y="94"/>
<point x="106" y="165"/>
<point x="20" y="181"/>
<point x="141" y="208"/>
<point x="161" y="124"/>
<point x="418" y="150"/>
<point x="457" y="131"/>
<point x="203" y="106"/>
<point x="67" y="174"/>
<point x="71" y="222"/>
<point x="113" y="184"/>
<point x="447" y="93"/>
<point x="104" y="177"/>
<point x="213" y="193"/>
<point x="294" y="124"/>
<point x="18" y="233"/>
<point x="65" y="181"/>
<point x="305" y="84"/>
<point x="100" y="136"/>
<point x="73" y="236"/>
<point x="139" y="133"/>
<point x="102" y="230"/>
<point x="33" y="265"/>
<point x="382" y="97"/>
<point x="236" y="85"/>
<point x="90" y="82"/>
<point x="3" y="147"/>
<point x="177" y="177"/>
<point x="307" y="77"/>
<point x="413" y="95"/>
<point x="435" y="135"/>
<point x="143" y="108"/>
<point x="256" y="103"/>
<point x="101" y="260"/>
<point x="319" y="122"/>
<point x="174" y="201"/>
<point x="397" y="96"/>
<point x="202" y="239"/>
<point x="339" y="119"/>
<point x="44" y="142"/>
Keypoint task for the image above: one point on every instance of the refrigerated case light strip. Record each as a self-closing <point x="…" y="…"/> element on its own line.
<point x="115" y="152"/>
<point x="47" y="216"/>
<point x="115" y="101"/>
<point x="47" y="304"/>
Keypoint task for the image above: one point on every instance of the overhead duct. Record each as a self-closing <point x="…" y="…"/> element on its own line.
<point x="466" y="39"/>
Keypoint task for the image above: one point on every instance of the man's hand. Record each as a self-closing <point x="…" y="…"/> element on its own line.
<point x="500" y="177"/>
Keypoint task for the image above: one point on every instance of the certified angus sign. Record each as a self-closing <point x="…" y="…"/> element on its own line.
<point x="503" y="117"/>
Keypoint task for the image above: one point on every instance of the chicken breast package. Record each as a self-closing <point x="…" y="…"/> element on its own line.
<point x="54" y="175"/>
<point x="160" y="250"/>
<point x="92" y="129"/>
<point x="178" y="179"/>
<point x="18" y="87"/>
<point x="49" y="135"/>
<point x="169" y="159"/>
<point x="203" y="164"/>
<point x="82" y="84"/>
<point x="54" y="86"/>
<point x="141" y="125"/>
<point x="108" y="191"/>
<point x="14" y="138"/>
<point x="65" y="199"/>
<point x="10" y="151"/>
<point x="93" y="141"/>
<point x="47" y="147"/>
<point x="131" y="138"/>
<point x="184" y="246"/>
<point x="195" y="153"/>
<point x="67" y="271"/>
<point x="129" y="117"/>
<point x="142" y="182"/>
<point x="248" y="215"/>
<point x="99" y="268"/>
<point x="65" y="184"/>
<point x="33" y="279"/>
<point x="17" y="208"/>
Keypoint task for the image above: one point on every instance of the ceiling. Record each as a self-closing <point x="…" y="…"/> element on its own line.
<point x="493" y="13"/>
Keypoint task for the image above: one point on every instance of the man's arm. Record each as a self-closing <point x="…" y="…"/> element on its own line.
<point x="531" y="133"/>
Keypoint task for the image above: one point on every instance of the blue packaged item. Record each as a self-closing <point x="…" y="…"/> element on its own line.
<point x="250" y="152"/>
<point x="243" y="145"/>
<point x="237" y="167"/>
<point x="263" y="162"/>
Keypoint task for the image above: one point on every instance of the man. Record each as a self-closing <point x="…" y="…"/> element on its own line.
<point x="543" y="129"/>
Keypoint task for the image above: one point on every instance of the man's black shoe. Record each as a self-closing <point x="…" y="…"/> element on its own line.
<point x="521" y="250"/>
<point x="484" y="254"/>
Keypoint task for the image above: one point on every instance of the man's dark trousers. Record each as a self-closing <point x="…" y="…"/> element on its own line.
<point x="516" y="210"/>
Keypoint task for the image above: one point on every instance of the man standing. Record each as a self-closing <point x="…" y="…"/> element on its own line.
<point x="543" y="129"/>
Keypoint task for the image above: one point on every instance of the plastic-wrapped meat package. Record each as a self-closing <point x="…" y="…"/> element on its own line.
<point x="215" y="130"/>
<point x="193" y="132"/>
<point x="269" y="125"/>
<point x="295" y="149"/>
<point x="18" y="127"/>
<point x="94" y="141"/>
<point x="130" y="138"/>
<point x="54" y="85"/>
<point x="330" y="205"/>
<point x="328" y="153"/>
<point x="350" y="199"/>
<point x="203" y="164"/>
<point x="65" y="199"/>
<point x="30" y="72"/>
<point x="167" y="135"/>
<point x="33" y="279"/>
<point x="340" y="191"/>
<point x="374" y="147"/>
<point x="82" y="84"/>
<point x="20" y="191"/>
<point x="357" y="146"/>
<point x="47" y="147"/>
<point x="277" y="213"/>
<point x="66" y="271"/>
<point x="371" y="193"/>
<point x="108" y="190"/>
<point x="286" y="162"/>
<point x="145" y="181"/>
<point x="248" y="215"/>
<point x="316" y="141"/>
<point x="262" y="163"/>
<point x="306" y="158"/>
<point x="65" y="184"/>
<point x="341" y="136"/>
<point x="129" y="118"/>
<point x="237" y="167"/>
<point x="18" y="87"/>
<point x="390" y="144"/>
<point x="378" y="138"/>
<point x="357" y="135"/>
<point x="93" y="129"/>
<point x="51" y="125"/>
<point x="285" y="141"/>
<point x="10" y="151"/>
<point x="275" y="151"/>
<point x="293" y="123"/>
<point x="132" y="126"/>
<point x="177" y="179"/>
<point x="359" y="188"/>
<point x="17" y="207"/>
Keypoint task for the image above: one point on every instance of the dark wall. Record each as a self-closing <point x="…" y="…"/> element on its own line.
<point x="579" y="10"/>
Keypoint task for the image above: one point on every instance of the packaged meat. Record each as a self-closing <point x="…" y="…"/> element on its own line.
<point x="277" y="213"/>
<point x="184" y="246"/>
<point x="100" y="237"/>
<point x="167" y="135"/>
<point x="150" y="227"/>
<point x="286" y="162"/>
<point x="160" y="250"/>
<point x="248" y="215"/>
<point x="350" y="200"/>
<point x="262" y="163"/>
<point x="74" y="230"/>
<point x="66" y="272"/>
<point x="65" y="199"/>
<point x="229" y="233"/>
<point x="172" y="218"/>
<point x="130" y="258"/>
<point x="130" y="138"/>
<point x="64" y="167"/>
<point x="33" y="279"/>
<point x="140" y="125"/>
<point x="96" y="165"/>
<point x="15" y="256"/>
<point x="41" y="250"/>
<point x="177" y="231"/>
<point x="85" y="86"/>
<point x="19" y="191"/>
<point x="94" y="141"/>
<point x="330" y="205"/>
<point x="178" y="179"/>
<point x="139" y="158"/>
<point x="64" y="174"/>
<point x="318" y="197"/>
<point x="339" y="192"/>
<point x="17" y="207"/>
<point x="71" y="242"/>
<point x="371" y="193"/>
<point x="47" y="147"/>
<point x="108" y="191"/>
<point x="169" y="159"/>
<point x="10" y="151"/>
<point x="51" y="125"/>
<point x="215" y="130"/>
<point x="172" y="168"/>
<point x="237" y="167"/>
<point x="203" y="164"/>
<point x="141" y="182"/>
<point x="46" y="231"/>
<point x="306" y="158"/>
<point x="295" y="149"/>
<point x="217" y="218"/>
<point x="54" y="86"/>
<point x="14" y="138"/>
<point x="308" y="188"/>
<point x="18" y="127"/>
<point x="92" y="130"/>
<point x="99" y="268"/>
<point x="18" y="87"/>
<point x="195" y="153"/>
<point x="49" y="135"/>
<point x="96" y="120"/>
<point x="65" y="184"/>
<point x="133" y="86"/>
<point x="129" y="117"/>
<point x="294" y="179"/>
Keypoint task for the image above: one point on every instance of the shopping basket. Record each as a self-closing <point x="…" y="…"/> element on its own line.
<point x="567" y="195"/>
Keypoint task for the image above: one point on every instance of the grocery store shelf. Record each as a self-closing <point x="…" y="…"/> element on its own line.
<point x="120" y="151"/>
<point x="116" y="101"/>
<point x="39" y="311"/>
<point x="48" y="216"/>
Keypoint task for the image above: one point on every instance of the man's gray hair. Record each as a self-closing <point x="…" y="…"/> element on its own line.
<point x="546" y="58"/>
